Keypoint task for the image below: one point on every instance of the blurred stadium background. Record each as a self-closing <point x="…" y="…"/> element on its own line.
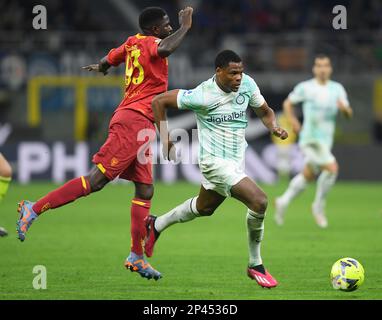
<point x="53" y="115"/>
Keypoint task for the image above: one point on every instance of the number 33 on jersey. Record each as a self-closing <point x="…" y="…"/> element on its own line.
<point x="146" y="72"/>
<point x="132" y="63"/>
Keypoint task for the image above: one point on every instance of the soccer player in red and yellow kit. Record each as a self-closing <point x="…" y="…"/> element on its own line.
<point x="145" y="55"/>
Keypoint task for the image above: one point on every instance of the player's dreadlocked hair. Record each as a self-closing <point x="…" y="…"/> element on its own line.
<point x="223" y="58"/>
<point x="150" y="16"/>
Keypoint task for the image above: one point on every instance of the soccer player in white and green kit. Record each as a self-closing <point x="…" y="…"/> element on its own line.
<point x="321" y="100"/>
<point x="220" y="105"/>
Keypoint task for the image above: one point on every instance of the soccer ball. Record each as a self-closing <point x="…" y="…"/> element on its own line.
<point x="347" y="274"/>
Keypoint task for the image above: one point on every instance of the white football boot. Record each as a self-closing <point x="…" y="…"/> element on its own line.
<point x="318" y="211"/>
<point x="280" y="208"/>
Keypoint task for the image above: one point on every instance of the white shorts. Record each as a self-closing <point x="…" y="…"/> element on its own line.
<point x="220" y="175"/>
<point x="317" y="155"/>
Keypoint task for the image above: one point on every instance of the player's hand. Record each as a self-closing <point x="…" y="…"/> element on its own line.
<point x="346" y="110"/>
<point x="280" y="133"/>
<point x="95" y="67"/>
<point x="185" y="17"/>
<point x="169" y="151"/>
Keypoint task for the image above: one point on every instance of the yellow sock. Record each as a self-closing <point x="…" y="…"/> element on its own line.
<point x="4" y="184"/>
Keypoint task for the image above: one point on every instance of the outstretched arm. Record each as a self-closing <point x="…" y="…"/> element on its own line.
<point x="102" y="66"/>
<point x="159" y="105"/>
<point x="267" y="116"/>
<point x="172" y="42"/>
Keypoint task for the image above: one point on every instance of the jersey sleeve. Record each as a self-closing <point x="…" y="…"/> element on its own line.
<point x="152" y="46"/>
<point x="256" y="100"/>
<point x="343" y="97"/>
<point x="298" y="94"/>
<point x="191" y="99"/>
<point x="117" y="56"/>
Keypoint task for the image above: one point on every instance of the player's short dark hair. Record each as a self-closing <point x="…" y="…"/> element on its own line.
<point x="321" y="56"/>
<point x="224" y="57"/>
<point x="150" y="16"/>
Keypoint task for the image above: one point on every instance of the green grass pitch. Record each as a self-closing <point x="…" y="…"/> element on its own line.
<point x="83" y="246"/>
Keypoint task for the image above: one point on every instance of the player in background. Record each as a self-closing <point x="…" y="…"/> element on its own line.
<point x="321" y="100"/>
<point x="5" y="180"/>
<point x="220" y="105"/>
<point x="145" y="55"/>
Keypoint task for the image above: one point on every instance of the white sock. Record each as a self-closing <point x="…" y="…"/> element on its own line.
<point x="325" y="182"/>
<point x="184" y="212"/>
<point x="296" y="186"/>
<point x="255" y="231"/>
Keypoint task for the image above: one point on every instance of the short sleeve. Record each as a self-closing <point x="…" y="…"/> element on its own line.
<point x="190" y="99"/>
<point x="298" y="94"/>
<point x="152" y="45"/>
<point x="256" y="100"/>
<point x="343" y="97"/>
<point x="117" y="56"/>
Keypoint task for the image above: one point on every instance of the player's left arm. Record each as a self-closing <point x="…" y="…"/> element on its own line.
<point x="168" y="45"/>
<point x="160" y="104"/>
<point x="267" y="116"/>
<point x="343" y="104"/>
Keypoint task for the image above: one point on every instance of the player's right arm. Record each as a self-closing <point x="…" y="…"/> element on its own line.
<point x="160" y="104"/>
<point x="102" y="66"/>
<point x="172" y="42"/>
<point x="175" y="99"/>
<point x="114" y="58"/>
<point x="295" y="97"/>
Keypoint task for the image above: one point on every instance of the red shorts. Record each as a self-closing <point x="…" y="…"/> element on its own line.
<point x="127" y="152"/>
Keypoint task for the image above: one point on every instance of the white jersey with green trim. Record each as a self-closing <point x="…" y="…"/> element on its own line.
<point x="320" y="108"/>
<point x="221" y="116"/>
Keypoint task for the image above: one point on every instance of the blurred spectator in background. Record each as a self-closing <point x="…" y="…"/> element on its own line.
<point x="274" y="37"/>
<point x="213" y="16"/>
